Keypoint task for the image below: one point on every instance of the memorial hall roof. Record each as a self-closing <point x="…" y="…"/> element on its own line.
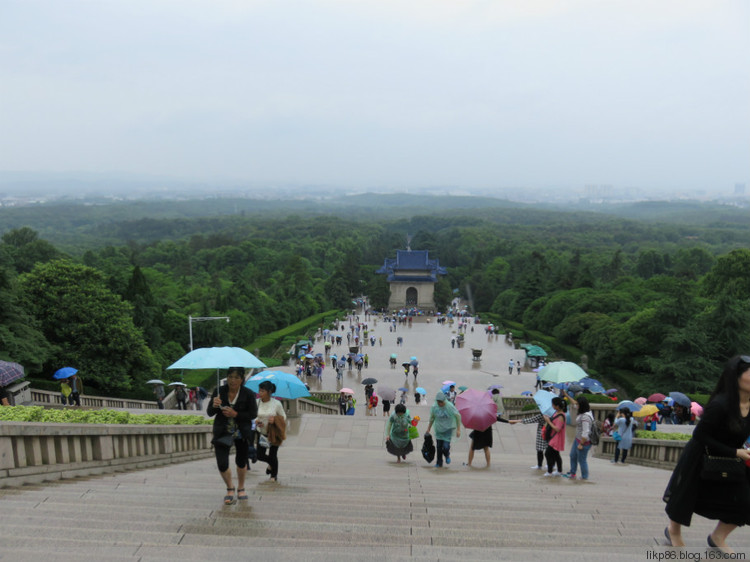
<point x="412" y="265"/>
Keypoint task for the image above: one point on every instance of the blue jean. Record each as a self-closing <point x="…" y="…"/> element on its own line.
<point x="443" y="449"/>
<point x="580" y="456"/>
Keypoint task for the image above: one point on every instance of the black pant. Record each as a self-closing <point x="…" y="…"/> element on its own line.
<point x="240" y="457"/>
<point x="540" y="458"/>
<point x="624" y="454"/>
<point x="74" y="397"/>
<point x="553" y="457"/>
<point x="271" y="458"/>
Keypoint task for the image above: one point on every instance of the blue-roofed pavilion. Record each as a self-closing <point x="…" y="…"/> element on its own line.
<point x="412" y="276"/>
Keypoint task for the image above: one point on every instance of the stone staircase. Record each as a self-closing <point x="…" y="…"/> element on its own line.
<point x="340" y="496"/>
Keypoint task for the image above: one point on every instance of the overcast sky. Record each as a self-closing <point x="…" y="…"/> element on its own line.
<point x="381" y="93"/>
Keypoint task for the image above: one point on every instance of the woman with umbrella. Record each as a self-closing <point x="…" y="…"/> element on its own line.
<point x="722" y="430"/>
<point x="446" y="418"/>
<point x="235" y="408"/>
<point x="397" y="440"/>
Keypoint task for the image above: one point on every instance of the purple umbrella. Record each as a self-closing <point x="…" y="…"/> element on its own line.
<point x="10" y="372"/>
<point x="478" y="410"/>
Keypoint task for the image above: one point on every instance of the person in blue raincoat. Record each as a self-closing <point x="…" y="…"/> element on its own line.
<point x="446" y="419"/>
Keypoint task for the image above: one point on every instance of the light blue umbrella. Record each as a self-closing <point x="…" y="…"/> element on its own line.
<point x="561" y="371"/>
<point x="543" y="399"/>
<point x="421" y="390"/>
<point x="64" y="373"/>
<point x="218" y="358"/>
<point x="526" y="393"/>
<point x="629" y="405"/>
<point x="287" y="385"/>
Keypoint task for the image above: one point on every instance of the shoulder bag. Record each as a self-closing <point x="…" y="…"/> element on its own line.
<point x="722" y="469"/>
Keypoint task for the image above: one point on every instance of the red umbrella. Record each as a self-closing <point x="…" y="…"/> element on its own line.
<point x="656" y="397"/>
<point x="478" y="410"/>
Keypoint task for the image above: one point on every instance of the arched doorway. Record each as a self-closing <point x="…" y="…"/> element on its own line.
<point x="411" y="297"/>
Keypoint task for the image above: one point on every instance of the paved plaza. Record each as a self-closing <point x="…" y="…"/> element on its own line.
<point x="340" y="496"/>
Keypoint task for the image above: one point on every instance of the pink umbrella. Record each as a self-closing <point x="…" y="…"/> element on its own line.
<point x="640" y="400"/>
<point x="478" y="410"/>
<point x="696" y="408"/>
<point x="347" y="390"/>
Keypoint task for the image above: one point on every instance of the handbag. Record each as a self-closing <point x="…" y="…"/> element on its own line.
<point x="616" y="436"/>
<point x="225" y="441"/>
<point x="722" y="469"/>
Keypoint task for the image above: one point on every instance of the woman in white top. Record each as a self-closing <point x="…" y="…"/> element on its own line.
<point x="269" y="409"/>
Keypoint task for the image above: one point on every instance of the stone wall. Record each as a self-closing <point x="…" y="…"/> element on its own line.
<point x="36" y="452"/>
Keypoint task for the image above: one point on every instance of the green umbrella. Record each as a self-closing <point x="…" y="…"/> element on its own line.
<point x="561" y="371"/>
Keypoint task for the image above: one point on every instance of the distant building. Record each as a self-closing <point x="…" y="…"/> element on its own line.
<point x="412" y="276"/>
<point x="739" y="189"/>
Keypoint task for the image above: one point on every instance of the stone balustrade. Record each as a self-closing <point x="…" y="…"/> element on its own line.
<point x="657" y="453"/>
<point x="49" y="398"/>
<point x="35" y="452"/>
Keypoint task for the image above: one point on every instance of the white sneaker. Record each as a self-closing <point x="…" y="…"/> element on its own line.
<point x="555" y="473"/>
<point x="535" y="467"/>
<point x="548" y="474"/>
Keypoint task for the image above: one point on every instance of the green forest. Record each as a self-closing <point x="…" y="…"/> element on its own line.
<point x="653" y="302"/>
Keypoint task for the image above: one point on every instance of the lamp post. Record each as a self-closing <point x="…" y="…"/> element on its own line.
<point x="192" y="319"/>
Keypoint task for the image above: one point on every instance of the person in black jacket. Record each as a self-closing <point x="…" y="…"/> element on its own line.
<point x="722" y="431"/>
<point x="235" y="407"/>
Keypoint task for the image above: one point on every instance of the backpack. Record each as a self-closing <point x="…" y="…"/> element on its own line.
<point x="548" y="433"/>
<point x="596" y="431"/>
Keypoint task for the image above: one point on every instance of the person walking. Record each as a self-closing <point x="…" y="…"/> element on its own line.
<point x="76" y="389"/>
<point x="480" y="441"/>
<point x="181" y="396"/>
<point x="386" y="407"/>
<point x="446" y="418"/>
<point x="721" y="431"/>
<point x="511" y="364"/>
<point x="270" y="427"/>
<point x="160" y="394"/>
<point x="234" y="408"/>
<point x="555" y="437"/>
<point x="65" y="391"/>
<point x="625" y="426"/>
<point x="539" y="441"/>
<point x="397" y="441"/>
<point x="342" y="403"/>
<point x="579" y="450"/>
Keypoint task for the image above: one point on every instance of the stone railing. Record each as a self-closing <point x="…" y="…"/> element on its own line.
<point x="35" y="452"/>
<point x="657" y="453"/>
<point x="49" y="398"/>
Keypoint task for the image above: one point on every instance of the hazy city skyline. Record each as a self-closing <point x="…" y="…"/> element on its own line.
<point x="380" y="94"/>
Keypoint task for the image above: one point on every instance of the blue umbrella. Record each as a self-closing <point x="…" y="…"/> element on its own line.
<point x="526" y="393"/>
<point x="421" y="390"/>
<point x="498" y="386"/>
<point x="287" y="385"/>
<point x="64" y="373"/>
<point x="543" y="399"/>
<point x="629" y="405"/>
<point x="402" y="389"/>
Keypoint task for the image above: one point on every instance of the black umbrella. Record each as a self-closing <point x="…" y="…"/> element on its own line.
<point x="369" y="380"/>
<point x="680" y="398"/>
